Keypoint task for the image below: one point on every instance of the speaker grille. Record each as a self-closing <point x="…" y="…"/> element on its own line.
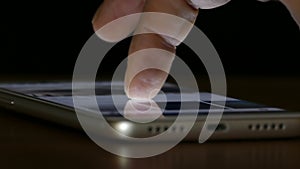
<point x="267" y="127"/>
<point x="159" y="129"/>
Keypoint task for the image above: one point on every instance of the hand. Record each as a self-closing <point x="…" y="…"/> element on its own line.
<point x="147" y="83"/>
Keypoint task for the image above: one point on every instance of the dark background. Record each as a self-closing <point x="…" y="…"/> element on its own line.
<point x="45" y="37"/>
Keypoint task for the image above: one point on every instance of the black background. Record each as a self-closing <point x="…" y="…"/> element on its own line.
<point x="45" y="37"/>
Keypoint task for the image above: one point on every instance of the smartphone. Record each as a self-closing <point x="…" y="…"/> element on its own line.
<point x="240" y="119"/>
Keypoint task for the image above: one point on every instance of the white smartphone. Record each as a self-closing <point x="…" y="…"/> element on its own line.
<point x="240" y="120"/>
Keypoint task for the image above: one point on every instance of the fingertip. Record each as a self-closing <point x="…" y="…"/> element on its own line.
<point x="146" y="72"/>
<point x="146" y="84"/>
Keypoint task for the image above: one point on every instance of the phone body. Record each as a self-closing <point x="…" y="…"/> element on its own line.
<point x="240" y="120"/>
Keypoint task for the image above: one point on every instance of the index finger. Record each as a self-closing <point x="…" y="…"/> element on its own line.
<point x="147" y="83"/>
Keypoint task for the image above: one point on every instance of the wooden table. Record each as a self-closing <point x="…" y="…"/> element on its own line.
<point x="26" y="142"/>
